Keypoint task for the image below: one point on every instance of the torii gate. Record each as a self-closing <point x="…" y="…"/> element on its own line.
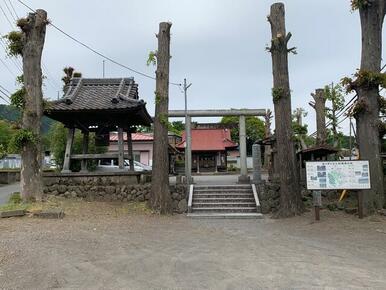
<point x="243" y="178"/>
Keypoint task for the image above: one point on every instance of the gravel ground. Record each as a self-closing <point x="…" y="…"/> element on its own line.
<point x="111" y="246"/>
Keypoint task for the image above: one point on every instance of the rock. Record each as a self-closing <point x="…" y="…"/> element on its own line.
<point x="12" y="213"/>
<point x="351" y="210"/>
<point x="110" y="189"/>
<point x="175" y="195"/>
<point x="62" y="189"/>
<point x="265" y="208"/>
<point x="73" y="194"/>
<point x="273" y="186"/>
<point x="67" y="194"/>
<point x="52" y="213"/>
<point x="182" y="206"/>
<point x="332" y="206"/>
<point x="55" y="192"/>
<point x="141" y="198"/>
<point x="382" y="212"/>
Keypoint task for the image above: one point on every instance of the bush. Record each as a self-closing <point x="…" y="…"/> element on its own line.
<point x="15" y="198"/>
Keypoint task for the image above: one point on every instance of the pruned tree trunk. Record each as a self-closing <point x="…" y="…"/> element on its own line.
<point x="319" y="106"/>
<point x="160" y="192"/>
<point x="298" y="113"/>
<point x="34" y="32"/>
<point x="290" y="196"/>
<point x="372" y="17"/>
<point x="267" y="134"/>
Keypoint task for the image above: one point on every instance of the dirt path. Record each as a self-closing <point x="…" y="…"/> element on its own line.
<point x="101" y="245"/>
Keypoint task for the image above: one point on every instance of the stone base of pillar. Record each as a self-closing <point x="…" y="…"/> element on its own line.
<point x="66" y="171"/>
<point x="257" y="181"/>
<point x="244" y="179"/>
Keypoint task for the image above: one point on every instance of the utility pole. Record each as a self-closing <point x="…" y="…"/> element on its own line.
<point x="188" y="138"/>
<point x="103" y="64"/>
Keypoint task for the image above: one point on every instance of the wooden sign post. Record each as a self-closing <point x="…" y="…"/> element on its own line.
<point x="317" y="202"/>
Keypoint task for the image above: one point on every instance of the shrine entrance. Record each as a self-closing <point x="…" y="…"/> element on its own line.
<point x="209" y="160"/>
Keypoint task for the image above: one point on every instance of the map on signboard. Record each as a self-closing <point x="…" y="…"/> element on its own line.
<point x="338" y="175"/>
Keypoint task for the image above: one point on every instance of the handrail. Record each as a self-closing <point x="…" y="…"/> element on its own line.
<point x="256" y="197"/>
<point x="190" y="201"/>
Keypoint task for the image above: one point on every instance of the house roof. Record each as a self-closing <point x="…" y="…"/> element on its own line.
<point x="88" y="100"/>
<point x="134" y="136"/>
<point x="209" y="140"/>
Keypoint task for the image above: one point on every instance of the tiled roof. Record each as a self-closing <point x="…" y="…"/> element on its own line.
<point x="134" y="136"/>
<point x="99" y="94"/>
<point x="209" y="140"/>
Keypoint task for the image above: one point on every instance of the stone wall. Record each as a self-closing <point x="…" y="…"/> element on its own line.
<point x="269" y="196"/>
<point x="8" y="177"/>
<point x="124" y="187"/>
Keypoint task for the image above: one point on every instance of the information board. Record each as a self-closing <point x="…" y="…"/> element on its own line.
<point x="338" y="175"/>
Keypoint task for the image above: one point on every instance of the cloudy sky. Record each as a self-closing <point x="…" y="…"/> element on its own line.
<point x="218" y="45"/>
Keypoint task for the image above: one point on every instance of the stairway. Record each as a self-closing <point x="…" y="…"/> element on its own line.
<point x="224" y="201"/>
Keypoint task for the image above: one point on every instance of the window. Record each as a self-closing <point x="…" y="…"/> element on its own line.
<point x="105" y="162"/>
<point x="137" y="156"/>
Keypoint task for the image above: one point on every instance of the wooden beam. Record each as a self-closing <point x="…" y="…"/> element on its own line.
<point x="121" y="163"/>
<point x="98" y="156"/>
<point x="130" y="150"/>
<point x="85" y="151"/>
<point x="67" y="154"/>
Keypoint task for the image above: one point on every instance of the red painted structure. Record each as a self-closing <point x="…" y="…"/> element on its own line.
<point x="209" y="148"/>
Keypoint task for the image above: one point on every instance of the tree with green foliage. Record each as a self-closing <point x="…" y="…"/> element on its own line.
<point x="69" y="73"/>
<point x="255" y="129"/>
<point x="6" y="135"/>
<point x="334" y="95"/>
<point x="58" y="138"/>
<point x="177" y="127"/>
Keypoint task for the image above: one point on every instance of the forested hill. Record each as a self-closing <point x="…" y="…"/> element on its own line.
<point x="12" y="114"/>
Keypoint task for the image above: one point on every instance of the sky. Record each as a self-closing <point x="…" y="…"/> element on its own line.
<point x="217" y="45"/>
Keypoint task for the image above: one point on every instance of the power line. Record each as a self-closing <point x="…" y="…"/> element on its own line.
<point x="5" y="100"/>
<point x="5" y="15"/>
<point x="9" y="10"/>
<point x="6" y="66"/>
<point x="17" y="65"/>
<point x="5" y="89"/>
<point x="97" y="52"/>
<point x="13" y="8"/>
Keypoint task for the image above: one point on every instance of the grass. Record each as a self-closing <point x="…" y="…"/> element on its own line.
<point x="14" y="206"/>
<point x="15" y="203"/>
<point x="78" y="207"/>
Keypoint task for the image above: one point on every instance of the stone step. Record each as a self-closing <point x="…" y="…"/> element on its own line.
<point x="223" y="209"/>
<point x="243" y="215"/>
<point x="223" y="186"/>
<point x="223" y="195"/>
<point x="224" y="199"/>
<point x="223" y="191"/>
<point x="223" y="204"/>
